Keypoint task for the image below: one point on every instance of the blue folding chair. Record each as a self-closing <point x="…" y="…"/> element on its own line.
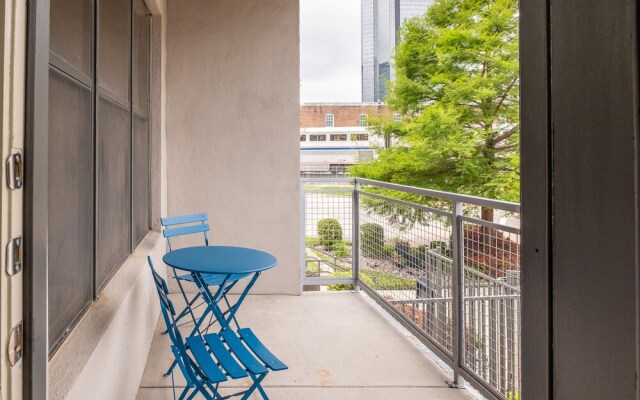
<point x="187" y="225"/>
<point x="207" y="360"/>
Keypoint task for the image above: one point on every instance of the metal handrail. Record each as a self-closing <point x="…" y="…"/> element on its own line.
<point x="455" y="295"/>
<point x="462" y="198"/>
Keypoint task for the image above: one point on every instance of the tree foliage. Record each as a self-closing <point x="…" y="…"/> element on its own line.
<point x="457" y="87"/>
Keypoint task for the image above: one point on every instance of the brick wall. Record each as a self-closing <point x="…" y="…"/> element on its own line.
<point x="345" y="115"/>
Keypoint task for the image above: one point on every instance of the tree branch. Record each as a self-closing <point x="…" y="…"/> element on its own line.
<point x="513" y="146"/>
<point x="506" y="93"/>
<point x="505" y="135"/>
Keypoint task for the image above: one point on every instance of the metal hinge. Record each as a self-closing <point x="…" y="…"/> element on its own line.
<point x="14" y="171"/>
<point x="14" y="348"/>
<point x="14" y="256"/>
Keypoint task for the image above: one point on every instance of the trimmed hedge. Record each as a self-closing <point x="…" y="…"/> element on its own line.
<point x="372" y="240"/>
<point x="329" y="232"/>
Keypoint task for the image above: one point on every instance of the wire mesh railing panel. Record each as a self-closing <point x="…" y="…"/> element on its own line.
<point x="491" y="305"/>
<point x="328" y="220"/>
<point x="448" y="264"/>
<point x="405" y="257"/>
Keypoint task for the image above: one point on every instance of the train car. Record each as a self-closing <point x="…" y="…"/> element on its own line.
<point x="329" y="151"/>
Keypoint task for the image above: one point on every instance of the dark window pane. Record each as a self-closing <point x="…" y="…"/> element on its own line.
<point x="70" y="203"/>
<point x="114" y="191"/>
<point x="113" y="47"/>
<point x="71" y="32"/>
<point x="140" y="179"/>
<point x="140" y="64"/>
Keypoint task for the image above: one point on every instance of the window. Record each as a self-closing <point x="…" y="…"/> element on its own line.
<point x="364" y="120"/>
<point x="328" y="120"/>
<point x="359" y="136"/>
<point x="96" y="123"/>
<point x="303" y="138"/>
<point x="141" y="174"/>
<point x="397" y="118"/>
<point x="338" y="138"/>
<point x="317" y="138"/>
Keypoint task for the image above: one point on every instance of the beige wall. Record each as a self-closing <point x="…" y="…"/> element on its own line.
<point x="232" y="111"/>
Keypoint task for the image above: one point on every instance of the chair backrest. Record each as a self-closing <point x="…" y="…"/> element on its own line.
<point x="169" y="314"/>
<point x="185" y="225"/>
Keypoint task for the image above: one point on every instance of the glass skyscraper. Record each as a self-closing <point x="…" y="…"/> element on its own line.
<point x="381" y="20"/>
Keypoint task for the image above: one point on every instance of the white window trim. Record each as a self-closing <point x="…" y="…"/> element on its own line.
<point x="364" y="121"/>
<point x="326" y="119"/>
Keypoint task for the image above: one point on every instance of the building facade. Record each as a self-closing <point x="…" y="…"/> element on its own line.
<point x="381" y="21"/>
<point x="336" y="135"/>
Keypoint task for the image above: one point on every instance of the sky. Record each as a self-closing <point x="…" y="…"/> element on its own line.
<point x="330" y="51"/>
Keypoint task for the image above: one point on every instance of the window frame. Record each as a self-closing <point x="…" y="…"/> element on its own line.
<point x="329" y="117"/>
<point x="98" y="93"/>
<point x="359" y="137"/>
<point x="363" y="120"/>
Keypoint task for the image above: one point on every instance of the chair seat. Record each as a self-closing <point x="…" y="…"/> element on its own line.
<point x="242" y="354"/>
<point x="213" y="279"/>
<point x="261" y="350"/>
<point x="204" y="360"/>
<point x="218" y="360"/>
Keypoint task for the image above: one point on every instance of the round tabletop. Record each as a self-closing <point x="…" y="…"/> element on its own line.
<point x="220" y="260"/>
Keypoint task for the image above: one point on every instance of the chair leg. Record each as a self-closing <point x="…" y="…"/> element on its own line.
<point x="256" y="385"/>
<point x="192" y="395"/>
<point x="214" y="389"/>
<point x="200" y="388"/>
<point x="234" y="317"/>
<point x="170" y="370"/>
<point x="184" y="296"/>
<point x="184" y="393"/>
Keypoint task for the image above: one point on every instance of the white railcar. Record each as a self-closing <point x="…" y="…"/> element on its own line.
<point x="331" y="150"/>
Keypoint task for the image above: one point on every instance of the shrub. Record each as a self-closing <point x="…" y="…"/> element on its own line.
<point x="380" y="280"/>
<point x="377" y="280"/>
<point x="339" y="287"/>
<point x="440" y="245"/>
<point x="389" y="250"/>
<point x="312" y="241"/>
<point x="330" y="232"/>
<point x="341" y="249"/>
<point x="421" y="253"/>
<point x="403" y="249"/>
<point x="372" y="240"/>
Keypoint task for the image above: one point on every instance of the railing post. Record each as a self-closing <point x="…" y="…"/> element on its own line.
<point x="303" y="238"/>
<point x="457" y="239"/>
<point x="355" y="234"/>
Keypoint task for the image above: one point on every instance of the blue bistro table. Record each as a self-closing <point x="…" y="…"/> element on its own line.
<point x="223" y="260"/>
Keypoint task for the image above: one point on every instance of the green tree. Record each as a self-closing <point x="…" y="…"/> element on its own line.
<point x="457" y="87"/>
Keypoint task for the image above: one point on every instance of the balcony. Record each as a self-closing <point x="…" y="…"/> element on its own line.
<point x="337" y="345"/>
<point x="394" y="278"/>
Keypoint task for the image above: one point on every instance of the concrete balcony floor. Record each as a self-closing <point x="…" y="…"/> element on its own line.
<point x="337" y="346"/>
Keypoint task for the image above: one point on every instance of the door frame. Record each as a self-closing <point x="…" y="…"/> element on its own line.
<point x="36" y="342"/>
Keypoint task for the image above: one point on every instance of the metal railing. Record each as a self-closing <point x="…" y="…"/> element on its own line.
<point x="450" y="276"/>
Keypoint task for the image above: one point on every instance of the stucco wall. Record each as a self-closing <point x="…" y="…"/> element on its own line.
<point x="104" y="356"/>
<point x="232" y="123"/>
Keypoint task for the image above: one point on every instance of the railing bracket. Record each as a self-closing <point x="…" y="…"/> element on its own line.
<point x="454" y="385"/>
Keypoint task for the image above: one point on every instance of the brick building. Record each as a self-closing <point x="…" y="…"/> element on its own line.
<point x="336" y="135"/>
<point x="316" y="115"/>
